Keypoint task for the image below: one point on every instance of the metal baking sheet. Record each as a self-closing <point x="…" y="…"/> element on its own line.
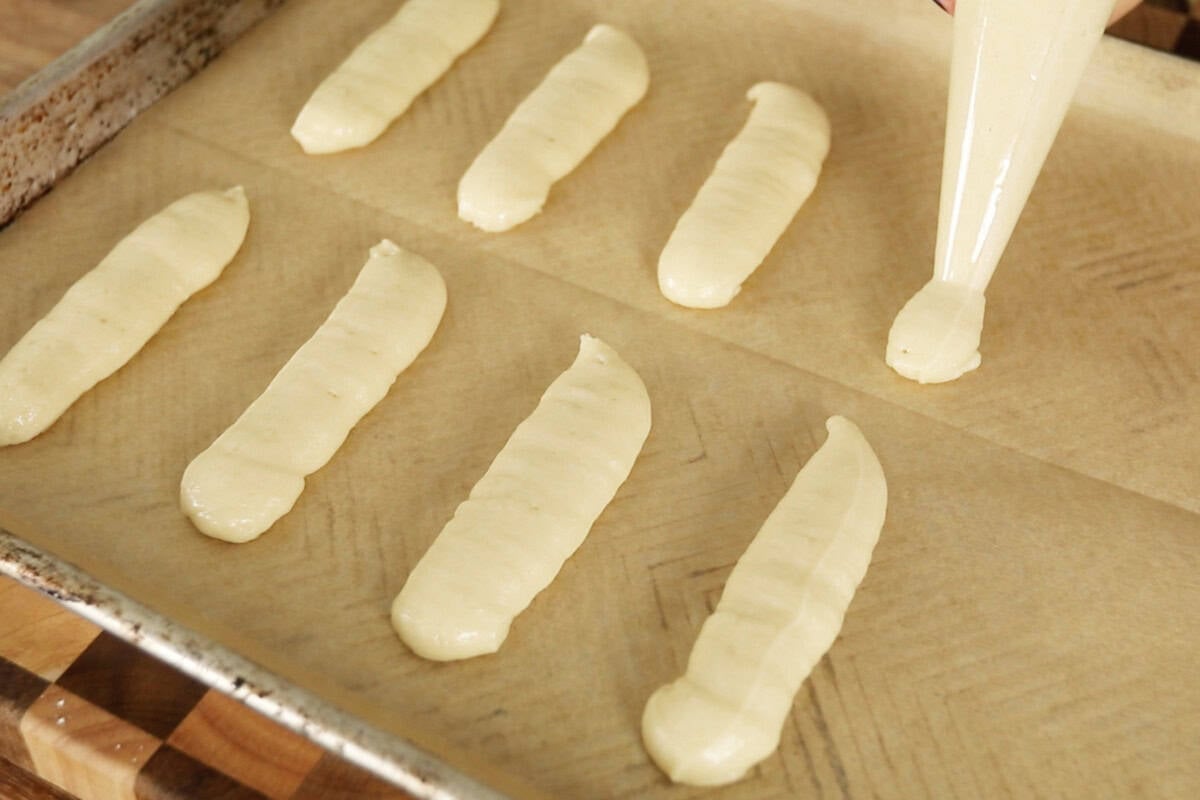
<point x="1025" y="623"/>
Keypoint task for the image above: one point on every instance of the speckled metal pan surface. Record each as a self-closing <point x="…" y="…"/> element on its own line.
<point x="61" y="115"/>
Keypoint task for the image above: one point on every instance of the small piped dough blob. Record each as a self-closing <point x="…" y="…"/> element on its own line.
<point x="935" y="337"/>
<point x="254" y="472"/>
<point x="529" y="512"/>
<point x="576" y="105"/>
<point x="759" y="183"/>
<point x="780" y="612"/>
<point x="110" y="313"/>
<point x="388" y="70"/>
<point x="1014" y="68"/>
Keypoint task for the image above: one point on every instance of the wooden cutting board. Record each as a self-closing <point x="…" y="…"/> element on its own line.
<point x="97" y="717"/>
<point x="1027" y="626"/>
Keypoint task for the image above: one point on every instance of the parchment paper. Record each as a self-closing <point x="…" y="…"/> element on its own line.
<point x="1028" y="625"/>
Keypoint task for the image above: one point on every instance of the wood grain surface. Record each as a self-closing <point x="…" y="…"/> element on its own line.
<point x="36" y="31"/>
<point x="18" y="784"/>
<point x="1027" y="627"/>
<point x="95" y="717"/>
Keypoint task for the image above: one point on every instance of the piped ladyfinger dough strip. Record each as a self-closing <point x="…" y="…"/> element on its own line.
<point x="110" y="313"/>
<point x="388" y="70"/>
<point x="529" y="512"/>
<point x="576" y="105"/>
<point x="254" y="472"/>
<point x="1014" y="68"/>
<point x="781" y="610"/>
<point x="761" y="179"/>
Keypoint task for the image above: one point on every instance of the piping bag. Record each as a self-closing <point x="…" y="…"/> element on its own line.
<point x="1015" y="66"/>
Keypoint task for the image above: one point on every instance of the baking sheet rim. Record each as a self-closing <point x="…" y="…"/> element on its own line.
<point x="391" y="757"/>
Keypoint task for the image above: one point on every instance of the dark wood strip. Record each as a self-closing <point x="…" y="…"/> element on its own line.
<point x="335" y="779"/>
<point x="1188" y="44"/>
<point x="1151" y="26"/>
<point x="19" y="784"/>
<point x="19" y="688"/>
<point x="132" y="685"/>
<point x="172" y="775"/>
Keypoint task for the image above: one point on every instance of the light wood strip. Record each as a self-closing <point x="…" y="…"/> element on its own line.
<point x="39" y="634"/>
<point x="18" y="784"/>
<point x="224" y="734"/>
<point x="83" y="749"/>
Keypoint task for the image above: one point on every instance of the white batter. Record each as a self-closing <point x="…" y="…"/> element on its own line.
<point x="529" y="512"/>
<point x="388" y="70"/>
<point x="254" y="472"/>
<point x="1016" y="65"/>
<point x="781" y="610"/>
<point x="107" y="316"/>
<point x="577" y="104"/>
<point x="759" y="183"/>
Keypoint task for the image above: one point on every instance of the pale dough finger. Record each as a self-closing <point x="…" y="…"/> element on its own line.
<point x="110" y="313"/>
<point x="577" y="104"/>
<point x="759" y="183"/>
<point x="254" y="472"/>
<point x="529" y="512"/>
<point x="388" y="70"/>
<point x="782" y="608"/>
